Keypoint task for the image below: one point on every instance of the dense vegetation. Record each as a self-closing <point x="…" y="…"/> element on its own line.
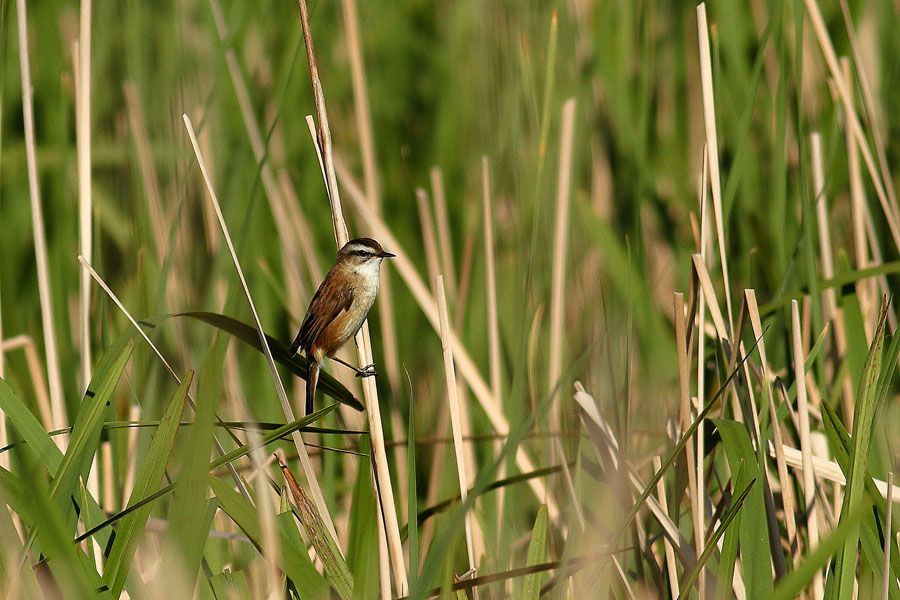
<point x="658" y="371"/>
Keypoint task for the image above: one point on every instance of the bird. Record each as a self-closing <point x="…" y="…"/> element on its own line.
<point x="338" y="308"/>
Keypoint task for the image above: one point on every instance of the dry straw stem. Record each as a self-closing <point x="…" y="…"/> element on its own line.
<point x="821" y="201"/>
<point x="279" y="387"/>
<point x="455" y="418"/>
<point x="809" y="481"/>
<point x="868" y="101"/>
<point x="372" y="187"/>
<point x="445" y="240"/>
<point x="145" y="166"/>
<point x="428" y="240"/>
<point x="384" y="489"/>
<point x="560" y="241"/>
<point x="467" y="368"/>
<point x="712" y="147"/>
<point x="669" y="550"/>
<point x="787" y="491"/>
<point x="490" y="280"/>
<point x="58" y="409"/>
<point x="818" y="24"/>
<point x="700" y="492"/>
<point x="83" y="146"/>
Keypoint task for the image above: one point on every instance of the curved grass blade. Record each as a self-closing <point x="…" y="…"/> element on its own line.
<point x="280" y="352"/>
<point x="537" y="553"/>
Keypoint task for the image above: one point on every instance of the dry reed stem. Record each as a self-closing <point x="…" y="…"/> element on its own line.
<point x="266" y="515"/>
<point x="560" y="243"/>
<point x="699" y="476"/>
<point x="888" y="538"/>
<point x="712" y="147"/>
<point x="145" y="166"/>
<point x="868" y="102"/>
<point x="385" y="488"/>
<point x="455" y="419"/>
<point x="4" y="435"/>
<point x="829" y="470"/>
<point x="373" y="192"/>
<point x="445" y="239"/>
<point x="134" y="413"/>
<point x="493" y="321"/>
<point x="109" y="494"/>
<point x="33" y="361"/>
<point x="432" y="262"/>
<point x="821" y="203"/>
<point x="490" y="280"/>
<point x="427" y="303"/>
<point x="83" y="148"/>
<point x="667" y="545"/>
<point x="684" y="413"/>
<point x="818" y="24"/>
<point x="787" y="490"/>
<point x="276" y="379"/>
<point x="709" y="293"/>
<point x="809" y="481"/>
<point x="57" y="404"/>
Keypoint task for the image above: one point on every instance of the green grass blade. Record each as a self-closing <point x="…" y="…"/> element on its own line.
<point x="187" y="511"/>
<point x="26" y="424"/>
<point x="149" y="475"/>
<point x="362" y="545"/>
<point x="537" y="554"/>
<point x="863" y="428"/>
<point x="754" y="533"/>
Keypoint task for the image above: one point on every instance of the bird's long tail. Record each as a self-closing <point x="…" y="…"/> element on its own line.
<point x="312" y="380"/>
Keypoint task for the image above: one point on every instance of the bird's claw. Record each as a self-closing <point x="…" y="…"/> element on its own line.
<point x="367" y="371"/>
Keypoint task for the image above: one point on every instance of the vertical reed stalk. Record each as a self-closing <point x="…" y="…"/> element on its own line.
<point x="445" y="240"/>
<point x="809" y="481"/>
<point x="384" y="489"/>
<point x="561" y="238"/>
<point x="712" y="147"/>
<point x="455" y="419"/>
<point x="54" y="378"/>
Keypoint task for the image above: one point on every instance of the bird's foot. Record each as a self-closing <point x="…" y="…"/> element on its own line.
<point x="367" y="371"/>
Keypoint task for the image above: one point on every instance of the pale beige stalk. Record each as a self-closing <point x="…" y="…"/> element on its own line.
<point x="560" y="243"/>
<point x="455" y="419"/>
<point x="58" y="409"/>
<point x="443" y="232"/>
<point x="712" y="148"/>
<point x="35" y="371"/>
<point x="384" y="489"/>
<point x="432" y="262"/>
<point x="809" y="481"/>
<point x="888" y="538"/>
<point x="667" y="544"/>
<point x="83" y="150"/>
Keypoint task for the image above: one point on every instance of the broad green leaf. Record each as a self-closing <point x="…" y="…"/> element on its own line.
<point x="754" y="533"/>
<point x="537" y="554"/>
<point x="187" y="509"/>
<point x="149" y="476"/>
<point x="362" y="545"/>
<point x="43" y="449"/>
<point x="863" y="426"/>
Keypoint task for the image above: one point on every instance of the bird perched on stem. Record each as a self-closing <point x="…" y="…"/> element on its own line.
<point x="338" y="309"/>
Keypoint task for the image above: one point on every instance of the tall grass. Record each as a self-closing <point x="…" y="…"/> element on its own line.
<point x="639" y="339"/>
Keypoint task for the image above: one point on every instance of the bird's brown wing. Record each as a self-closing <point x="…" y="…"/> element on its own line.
<point x="329" y="301"/>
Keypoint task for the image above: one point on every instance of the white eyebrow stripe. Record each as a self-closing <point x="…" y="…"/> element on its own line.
<point x="361" y="248"/>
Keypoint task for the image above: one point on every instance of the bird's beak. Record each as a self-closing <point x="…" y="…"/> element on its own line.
<point x="386" y="254"/>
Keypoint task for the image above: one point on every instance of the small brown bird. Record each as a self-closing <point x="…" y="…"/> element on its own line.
<point x="338" y="309"/>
